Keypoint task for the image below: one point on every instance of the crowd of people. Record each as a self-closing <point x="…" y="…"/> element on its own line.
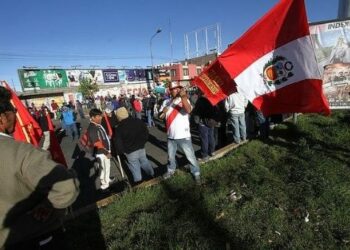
<point x="118" y="127"/>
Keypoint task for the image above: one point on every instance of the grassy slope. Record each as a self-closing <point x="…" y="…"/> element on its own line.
<point x="304" y="170"/>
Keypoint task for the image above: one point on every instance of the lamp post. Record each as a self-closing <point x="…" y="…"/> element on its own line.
<point x="150" y="46"/>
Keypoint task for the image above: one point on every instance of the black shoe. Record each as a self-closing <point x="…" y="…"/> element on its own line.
<point x="105" y="191"/>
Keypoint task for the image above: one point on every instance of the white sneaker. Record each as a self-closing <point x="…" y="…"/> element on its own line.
<point x="168" y="175"/>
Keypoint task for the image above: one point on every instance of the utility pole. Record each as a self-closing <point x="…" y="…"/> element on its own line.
<point x="344" y="9"/>
<point x="171" y="43"/>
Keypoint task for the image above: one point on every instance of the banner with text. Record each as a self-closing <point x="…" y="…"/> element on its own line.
<point x="37" y="79"/>
<point x="332" y="47"/>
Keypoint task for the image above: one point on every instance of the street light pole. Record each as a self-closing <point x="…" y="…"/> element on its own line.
<point x="150" y="46"/>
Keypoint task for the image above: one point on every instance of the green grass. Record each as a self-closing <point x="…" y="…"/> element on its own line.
<point x="301" y="172"/>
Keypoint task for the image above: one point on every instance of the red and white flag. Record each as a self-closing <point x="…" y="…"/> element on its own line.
<point x="273" y="65"/>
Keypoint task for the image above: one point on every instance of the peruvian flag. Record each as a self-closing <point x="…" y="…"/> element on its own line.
<point x="273" y="65"/>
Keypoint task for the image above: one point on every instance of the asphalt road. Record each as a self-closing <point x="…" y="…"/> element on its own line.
<point x="156" y="149"/>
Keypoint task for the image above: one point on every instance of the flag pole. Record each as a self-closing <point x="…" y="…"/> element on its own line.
<point x="22" y="126"/>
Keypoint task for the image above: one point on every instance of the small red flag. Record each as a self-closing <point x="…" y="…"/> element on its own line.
<point x="27" y="128"/>
<point x="55" y="148"/>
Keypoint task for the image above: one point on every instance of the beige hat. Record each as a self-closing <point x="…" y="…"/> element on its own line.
<point x="173" y="85"/>
<point x="121" y="113"/>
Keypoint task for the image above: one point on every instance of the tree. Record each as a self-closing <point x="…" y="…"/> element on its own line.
<point x="87" y="87"/>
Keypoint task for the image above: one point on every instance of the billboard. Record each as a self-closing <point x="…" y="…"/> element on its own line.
<point x="36" y="79"/>
<point x="110" y="75"/>
<point x="77" y="75"/>
<point x="125" y="89"/>
<point x="332" y="48"/>
<point x="336" y="85"/>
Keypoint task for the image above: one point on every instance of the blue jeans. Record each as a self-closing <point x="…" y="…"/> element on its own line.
<point x="264" y="124"/>
<point x="207" y="139"/>
<point x="72" y="130"/>
<point x="138" y="160"/>
<point x="149" y="118"/>
<point x="186" y="146"/>
<point x="239" y="128"/>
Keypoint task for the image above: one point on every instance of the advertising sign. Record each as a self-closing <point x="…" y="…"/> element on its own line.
<point x="122" y="75"/>
<point x="110" y="75"/>
<point x="77" y="75"/>
<point x="127" y="90"/>
<point x="35" y="79"/>
<point x="332" y="47"/>
<point x="336" y="85"/>
<point x="130" y="75"/>
<point x="331" y="42"/>
<point x="141" y="74"/>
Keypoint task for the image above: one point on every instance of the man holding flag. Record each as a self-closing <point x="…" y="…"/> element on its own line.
<point x="273" y="65"/>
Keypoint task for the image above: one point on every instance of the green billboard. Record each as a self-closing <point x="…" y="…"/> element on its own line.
<point x="32" y="79"/>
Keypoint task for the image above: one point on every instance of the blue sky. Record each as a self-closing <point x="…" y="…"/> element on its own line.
<point x="117" y="33"/>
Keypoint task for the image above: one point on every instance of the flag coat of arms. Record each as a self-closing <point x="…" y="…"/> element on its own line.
<point x="273" y="65"/>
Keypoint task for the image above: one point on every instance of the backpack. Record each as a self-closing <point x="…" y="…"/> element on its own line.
<point x="86" y="146"/>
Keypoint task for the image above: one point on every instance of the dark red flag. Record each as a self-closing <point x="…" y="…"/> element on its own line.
<point x="27" y="129"/>
<point x="55" y="148"/>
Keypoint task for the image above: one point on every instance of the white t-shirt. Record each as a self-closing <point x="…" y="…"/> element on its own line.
<point x="180" y="126"/>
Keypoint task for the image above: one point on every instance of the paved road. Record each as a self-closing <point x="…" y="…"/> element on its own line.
<point x="156" y="149"/>
<point x="156" y="146"/>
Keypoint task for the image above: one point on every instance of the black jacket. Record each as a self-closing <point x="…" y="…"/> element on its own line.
<point x="130" y="135"/>
<point x="205" y="110"/>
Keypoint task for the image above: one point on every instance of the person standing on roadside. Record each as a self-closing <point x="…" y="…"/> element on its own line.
<point x="131" y="135"/>
<point x="207" y="117"/>
<point x="98" y="137"/>
<point x="235" y="106"/>
<point x="176" y="111"/>
<point x="70" y="126"/>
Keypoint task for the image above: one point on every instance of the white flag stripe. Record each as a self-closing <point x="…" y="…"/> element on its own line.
<point x="300" y="52"/>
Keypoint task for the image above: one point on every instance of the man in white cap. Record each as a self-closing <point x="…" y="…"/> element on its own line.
<point x="176" y="111"/>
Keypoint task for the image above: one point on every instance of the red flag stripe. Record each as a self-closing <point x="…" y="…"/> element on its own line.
<point x="290" y="100"/>
<point x="278" y="27"/>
